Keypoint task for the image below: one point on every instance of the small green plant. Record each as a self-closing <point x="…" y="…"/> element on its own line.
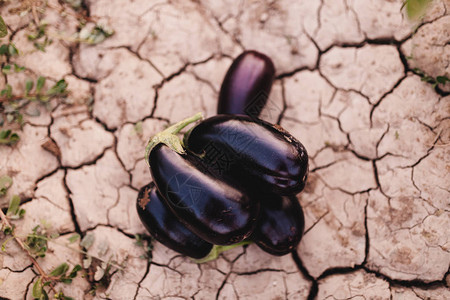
<point x="7" y="137"/>
<point x="3" y="28"/>
<point x="8" y="50"/>
<point x="14" y="105"/>
<point x="431" y="80"/>
<point x="35" y="245"/>
<point x="58" y="274"/>
<point x="9" y="68"/>
<point x="147" y="247"/>
<point x="5" y="183"/>
<point x="76" y="4"/>
<point x="14" y="211"/>
<point x="36" y="242"/>
<point x="93" y="34"/>
<point x="39" y="37"/>
<point x="416" y="9"/>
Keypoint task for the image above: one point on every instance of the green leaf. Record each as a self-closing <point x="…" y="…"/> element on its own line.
<point x="60" y="270"/>
<point x="416" y="9"/>
<point x="44" y="295"/>
<point x="21" y="213"/>
<point x="13" y="205"/>
<point x="3" y="247"/>
<point x="96" y="35"/>
<point x="442" y="79"/>
<point x="4" y="49"/>
<point x="6" y="69"/>
<point x="5" y="183"/>
<point x="3" y="28"/>
<point x="39" y="46"/>
<point x="74" y="271"/>
<point x="138" y="239"/>
<point x="28" y="86"/>
<point x="58" y="89"/>
<point x="87" y="241"/>
<point x="4" y="134"/>
<point x="40" y="84"/>
<point x="66" y="280"/>
<point x="74" y="238"/>
<point x="40" y="32"/>
<point x="37" y="242"/>
<point x="7" y="91"/>
<point x="12" y="50"/>
<point x="18" y="68"/>
<point x="7" y="137"/>
<point x="74" y="3"/>
<point x="138" y="128"/>
<point x="7" y="230"/>
<point x="37" y="289"/>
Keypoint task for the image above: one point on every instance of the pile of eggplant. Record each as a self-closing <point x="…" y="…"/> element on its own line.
<point x="232" y="180"/>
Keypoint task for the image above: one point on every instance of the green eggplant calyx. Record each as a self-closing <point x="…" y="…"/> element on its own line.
<point x="216" y="250"/>
<point x="169" y="136"/>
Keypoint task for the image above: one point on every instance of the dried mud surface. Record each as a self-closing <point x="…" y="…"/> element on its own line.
<point x="377" y="202"/>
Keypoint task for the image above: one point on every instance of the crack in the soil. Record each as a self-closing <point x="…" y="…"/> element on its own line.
<point x="28" y="288"/>
<point x="249" y="273"/>
<point x="72" y="208"/>
<point x="227" y="275"/>
<point x="147" y="270"/>
<point x="224" y="281"/>
<point x="167" y="267"/>
<point x="17" y="271"/>
<point x="135" y="53"/>
<point x="367" y="238"/>
<point x="316" y="222"/>
<point x="166" y="79"/>
<point x="88" y="163"/>
<point x="314" y="285"/>
<point x="376" y="104"/>
<point x="219" y="23"/>
<point x="283" y="97"/>
<point x="378" y="41"/>
<point x="293" y="72"/>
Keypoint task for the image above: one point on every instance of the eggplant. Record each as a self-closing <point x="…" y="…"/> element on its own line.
<point x="214" y="210"/>
<point x="253" y="152"/>
<point x="165" y="227"/>
<point x="247" y="84"/>
<point x="280" y="226"/>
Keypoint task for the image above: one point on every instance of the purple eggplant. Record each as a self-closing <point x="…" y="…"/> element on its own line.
<point x="247" y="84"/>
<point x="214" y="210"/>
<point x="280" y="226"/>
<point x="165" y="227"/>
<point x="256" y="154"/>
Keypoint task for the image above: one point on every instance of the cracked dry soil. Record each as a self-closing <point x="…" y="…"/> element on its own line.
<point x="377" y="201"/>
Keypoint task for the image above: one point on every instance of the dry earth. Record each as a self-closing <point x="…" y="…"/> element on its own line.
<point x="377" y="203"/>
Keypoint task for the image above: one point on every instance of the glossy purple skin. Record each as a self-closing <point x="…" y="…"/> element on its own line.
<point x="214" y="210"/>
<point x="247" y="84"/>
<point x="165" y="227"/>
<point x="255" y="153"/>
<point x="281" y="224"/>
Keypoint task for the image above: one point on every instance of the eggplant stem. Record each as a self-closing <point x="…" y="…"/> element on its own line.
<point x="169" y="136"/>
<point x="217" y="250"/>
